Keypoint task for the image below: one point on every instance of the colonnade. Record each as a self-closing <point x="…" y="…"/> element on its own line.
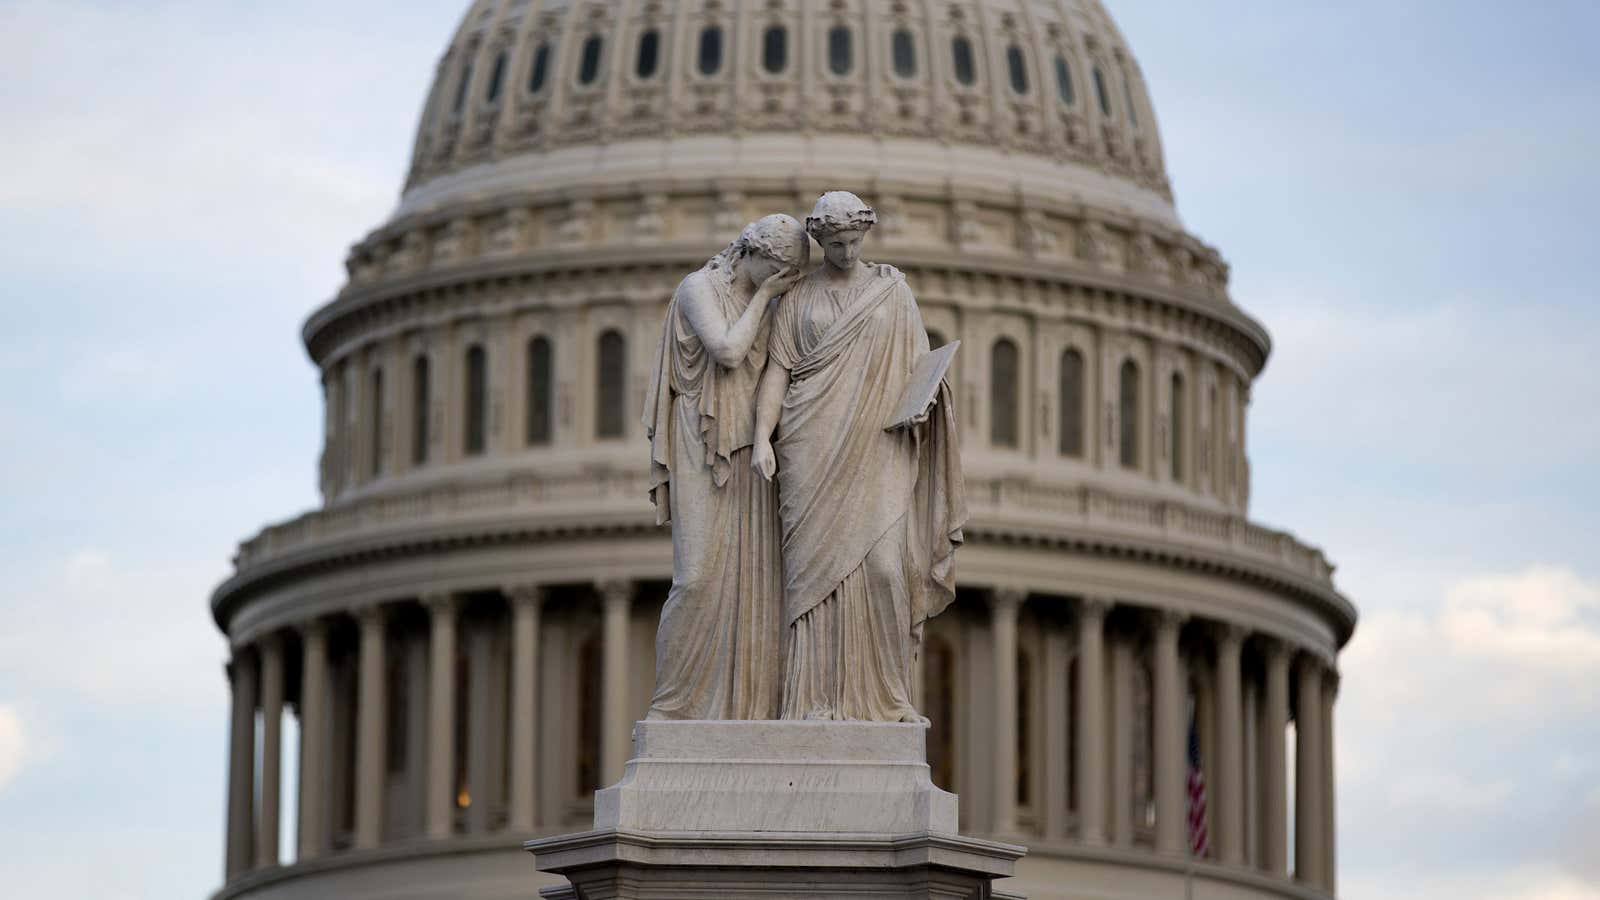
<point x="1243" y="688"/>
<point x="260" y="682"/>
<point x="1195" y="668"/>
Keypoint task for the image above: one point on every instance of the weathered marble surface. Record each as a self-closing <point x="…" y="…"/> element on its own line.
<point x="778" y="776"/>
<point x="775" y="809"/>
<point x="872" y="515"/>
<point x="717" y="644"/>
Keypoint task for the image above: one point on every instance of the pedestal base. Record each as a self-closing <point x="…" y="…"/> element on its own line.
<point x="775" y="810"/>
<point x="765" y="866"/>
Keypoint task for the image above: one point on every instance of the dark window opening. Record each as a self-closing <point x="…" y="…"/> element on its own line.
<point x="477" y="423"/>
<point x="710" y="57"/>
<point x="612" y="409"/>
<point x="1100" y="92"/>
<point x="841" y="50"/>
<point x="541" y="67"/>
<point x="1018" y="67"/>
<point x="1064" y="87"/>
<point x="497" y="76"/>
<point x="903" y="48"/>
<point x="775" y="49"/>
<point x="649" y="58"/>
<point x="589" y="61"/>
<point x="966" y="70"/>
<point x="539" y="391"/>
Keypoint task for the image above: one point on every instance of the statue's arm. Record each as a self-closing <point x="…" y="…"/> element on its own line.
<point x="769" y="405"/>
<point x="727" y="343"/>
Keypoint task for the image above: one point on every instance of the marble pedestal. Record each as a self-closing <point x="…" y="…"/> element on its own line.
<point x="775" y="810"/>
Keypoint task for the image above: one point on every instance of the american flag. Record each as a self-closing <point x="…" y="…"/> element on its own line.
<point x="1199" y="840"/>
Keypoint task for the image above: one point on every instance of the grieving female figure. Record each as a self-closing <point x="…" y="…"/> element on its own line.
<point x="717" y="645"/>
<point x="872" y="508"/>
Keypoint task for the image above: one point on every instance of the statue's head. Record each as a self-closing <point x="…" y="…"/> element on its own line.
<point x="840" y="223"/>
<point x="770" y="244"/>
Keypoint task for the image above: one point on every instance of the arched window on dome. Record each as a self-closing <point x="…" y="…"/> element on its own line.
<point x="710" y="54"/>
<point x="1017" y="65"/>
<point x="1128" y="407"/>
<point x="462" y="86"/>
<point x="1004" y="369"/>
<point x="961" y="61"/>
<point x="1070" y="389"/>
<point x="903" y="52"/>
<point x="497" y="77"/>
<point x="540" y="392"/>
<point x="841" y="50"/>
<point x="939" y="705"/>
<point x="1127" y="94"/>
<point x="1064" y="88"/>
<point x="539" y="69"/>
<point x="421" y="398"/>
<point x="476" y="436"/>
<point x="1100" y="92"/>
<point x="590" y="701"/>
<point x="1213" y="448"/>
<point x="647" y="60"/>
<point x="610" y="385"/>
<point x="1024" y="732"/>
<point x="775" y="49"/>
<point x="1179" y="423"/>
<point x="376" y="422"/>
<point x="589" y="60"/>
<point x="936" y="339"/>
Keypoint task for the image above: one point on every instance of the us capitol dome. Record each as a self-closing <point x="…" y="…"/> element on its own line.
<point x="463" y="630"/>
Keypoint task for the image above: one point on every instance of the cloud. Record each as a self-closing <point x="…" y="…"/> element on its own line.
<point x="94" y="629"/>
<point x="13" y="744"/>
<point x="1466" y="727"/>
<point x="1428" y="383"/>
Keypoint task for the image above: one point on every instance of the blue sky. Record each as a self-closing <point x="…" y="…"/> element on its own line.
<point x="1404" y="190"/>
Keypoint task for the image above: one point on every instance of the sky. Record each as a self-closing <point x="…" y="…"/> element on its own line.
<point x="1404" y="190"/>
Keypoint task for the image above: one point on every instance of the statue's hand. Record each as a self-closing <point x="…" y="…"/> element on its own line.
<point x="920" y="418"/>
<point x="780" y="281"/>
<point x="763" y="460"/>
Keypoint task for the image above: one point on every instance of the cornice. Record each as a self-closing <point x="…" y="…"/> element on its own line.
<point x="315" y="544"/>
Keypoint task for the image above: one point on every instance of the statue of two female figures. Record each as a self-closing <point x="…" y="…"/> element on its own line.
<point x="841" y="564"/>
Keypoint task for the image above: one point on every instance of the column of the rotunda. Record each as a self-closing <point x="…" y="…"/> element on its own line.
<point x="1004" y="605"/>
<point x="1059" y="708"/>
<point x="1330" y="827"/>
<point x="1308" y="747"/>
<point x="1090" y="708"/>
<point x="526" y="603"/>
<point x="1229" y="786"/>
<point x="616" y="726"/>
<point x="442" y="610"/>
<point x="241" y="763"/>
<point x="1122" y="649"/>
<point x="1169" y="760"/>
<point x="372" y="731"/>
<point x="271" y="648"/>
<point x="1274" y="775"/>
<point x="313" y="738"/>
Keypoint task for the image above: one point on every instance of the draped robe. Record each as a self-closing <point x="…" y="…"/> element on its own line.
<point x="717" y="643"/>
<point x="871" y="518"/>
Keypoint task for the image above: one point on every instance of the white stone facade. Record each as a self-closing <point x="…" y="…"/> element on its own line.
<point x="465" y="627"/>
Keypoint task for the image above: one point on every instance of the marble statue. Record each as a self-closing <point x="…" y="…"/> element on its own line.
<point x="871" y="503"/>
<point x="717" y="653"/>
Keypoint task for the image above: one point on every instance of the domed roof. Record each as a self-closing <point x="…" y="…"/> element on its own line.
<point x="1031" y="98"/>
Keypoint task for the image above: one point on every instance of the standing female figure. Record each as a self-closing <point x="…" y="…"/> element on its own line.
<point x="872" y="510"/>
<point x="717" y="645"/>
